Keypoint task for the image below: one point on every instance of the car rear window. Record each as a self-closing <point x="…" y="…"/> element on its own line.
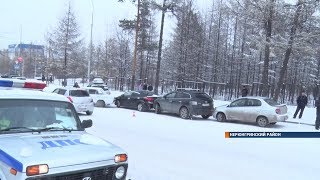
<point x="203" y="96"/>
<point x="93" y="91"/>
<point x="145" y="93"/>
<point x="271" y="102"/>
<point x="79" y="93"/>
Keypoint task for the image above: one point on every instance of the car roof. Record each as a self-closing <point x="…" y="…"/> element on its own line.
<point x="31" y="94"/>
<point x="70" y="88"/>
<point x="95" y="88"/>
<point x="255" y="97"/>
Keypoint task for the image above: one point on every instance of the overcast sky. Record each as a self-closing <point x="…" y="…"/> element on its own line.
<point x="36" y="17"/>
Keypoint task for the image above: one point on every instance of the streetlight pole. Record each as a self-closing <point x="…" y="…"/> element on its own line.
<point x="90" y="59"/>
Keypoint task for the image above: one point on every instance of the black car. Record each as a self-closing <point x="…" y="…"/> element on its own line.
<point x="140" y="100"/>
<point x="185" y="103"/>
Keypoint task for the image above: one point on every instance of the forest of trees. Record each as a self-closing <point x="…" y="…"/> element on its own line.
<point x="269" y="46"/>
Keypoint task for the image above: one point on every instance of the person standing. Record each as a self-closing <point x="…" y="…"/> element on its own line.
<point x="244" y="91"/>
<point x="302" y="101"/>
<point x="145" y="87"/>
<point x="150" y="88"/>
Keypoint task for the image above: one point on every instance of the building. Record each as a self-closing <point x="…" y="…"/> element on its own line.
<point x="29" y="59"/>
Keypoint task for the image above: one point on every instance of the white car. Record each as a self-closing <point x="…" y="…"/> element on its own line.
<point x="42" y="137"/>
<point x="259" y="110"/>
<point x="79" y="97"/>
<point x="99" y="96"/>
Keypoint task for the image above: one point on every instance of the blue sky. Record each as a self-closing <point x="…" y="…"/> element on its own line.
<point x="36" y="17"/>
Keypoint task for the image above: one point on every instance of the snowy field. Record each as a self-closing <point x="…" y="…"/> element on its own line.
<point x="166" y="147"/>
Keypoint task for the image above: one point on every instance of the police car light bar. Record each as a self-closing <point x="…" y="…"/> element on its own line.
<point x="16" y="83"/>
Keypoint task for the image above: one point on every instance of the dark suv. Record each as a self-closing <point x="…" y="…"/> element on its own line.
<point x="185" y="103"/>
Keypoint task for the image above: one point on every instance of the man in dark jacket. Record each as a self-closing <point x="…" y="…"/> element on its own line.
<point x="317" y="123"/>
<point x="302" y="101"/>
<point x="145" y="86"/>
<point x="244" y="91"/>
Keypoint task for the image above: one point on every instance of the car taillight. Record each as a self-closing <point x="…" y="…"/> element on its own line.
<point x="148" y="98"/>
<point x="70" y="99"/>
<point x="278" y="110"/>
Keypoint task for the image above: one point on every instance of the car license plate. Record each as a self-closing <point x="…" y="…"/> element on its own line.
<point x="205" y="104"/>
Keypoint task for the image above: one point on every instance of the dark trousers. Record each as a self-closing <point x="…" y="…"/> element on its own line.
<point x="317" y="122"/>
<point x="301" y="109"/>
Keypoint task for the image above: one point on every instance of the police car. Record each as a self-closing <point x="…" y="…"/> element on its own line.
<point x="42" y="138"/>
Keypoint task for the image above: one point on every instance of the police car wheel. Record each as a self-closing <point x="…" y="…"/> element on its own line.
<point x="89" y="112"/>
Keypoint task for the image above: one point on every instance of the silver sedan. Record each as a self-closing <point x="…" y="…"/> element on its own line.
<point x="259" y="110"/>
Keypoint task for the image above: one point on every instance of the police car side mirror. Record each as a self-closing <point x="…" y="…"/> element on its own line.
<point x="86" y="123"/>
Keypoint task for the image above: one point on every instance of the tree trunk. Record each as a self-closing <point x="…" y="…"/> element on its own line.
<point x="160" y="49"/>
<point x="289" y="48"/>
<point x="135" y="48"/>
<point x="268" y="29"/>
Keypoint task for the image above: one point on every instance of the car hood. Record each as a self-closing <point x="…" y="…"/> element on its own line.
<point x="55" y="149"/>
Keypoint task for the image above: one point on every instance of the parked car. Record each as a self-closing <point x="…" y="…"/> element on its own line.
<point x="79" y="97"/>
<point x="140" y="100"/>
<point x="259" y="110"/>
<point x="97" y="81"/>
<point x="186" y="103"/>
<point x="102" y="86"/>
<point x="99" y="96"/>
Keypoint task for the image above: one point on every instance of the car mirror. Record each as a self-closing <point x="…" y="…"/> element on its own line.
<point x="86" y="123"/>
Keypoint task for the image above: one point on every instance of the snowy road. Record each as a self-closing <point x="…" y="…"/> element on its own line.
<point x="165" y="147"/>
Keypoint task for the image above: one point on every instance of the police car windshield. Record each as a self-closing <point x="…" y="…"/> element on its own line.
<point x="31" y="115"/>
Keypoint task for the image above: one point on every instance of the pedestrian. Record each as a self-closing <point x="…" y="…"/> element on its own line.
<point x="51" y="79"/>
<point x="317" y="105"/>
<point x="43" y="78"/>
<point x="302" y="101"/>
<point x="150" y="88"/>
<point x="76" y="85"/>
<point x="244" y="91"/>
<point x="145" y="86"/>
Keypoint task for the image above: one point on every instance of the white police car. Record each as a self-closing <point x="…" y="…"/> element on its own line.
<point x="42" y="138"/>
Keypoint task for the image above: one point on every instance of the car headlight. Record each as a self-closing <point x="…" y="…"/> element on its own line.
<point x="120" y="172"/>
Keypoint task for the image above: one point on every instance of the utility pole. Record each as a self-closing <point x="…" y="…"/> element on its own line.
<point x="135" y="48"/>
<point x="65" y="49"/>
<point x="90" y="59"/>
<point x="20" y="50"/>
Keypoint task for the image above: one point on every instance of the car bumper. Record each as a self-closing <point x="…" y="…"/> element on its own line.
<point x="278" y="118"/>
<point x="84" y="107"/>
<point x="201" y="111"/>
<point x="282" y="118"/>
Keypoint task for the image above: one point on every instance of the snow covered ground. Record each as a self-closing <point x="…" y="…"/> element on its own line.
<point x="166" y="147"/>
